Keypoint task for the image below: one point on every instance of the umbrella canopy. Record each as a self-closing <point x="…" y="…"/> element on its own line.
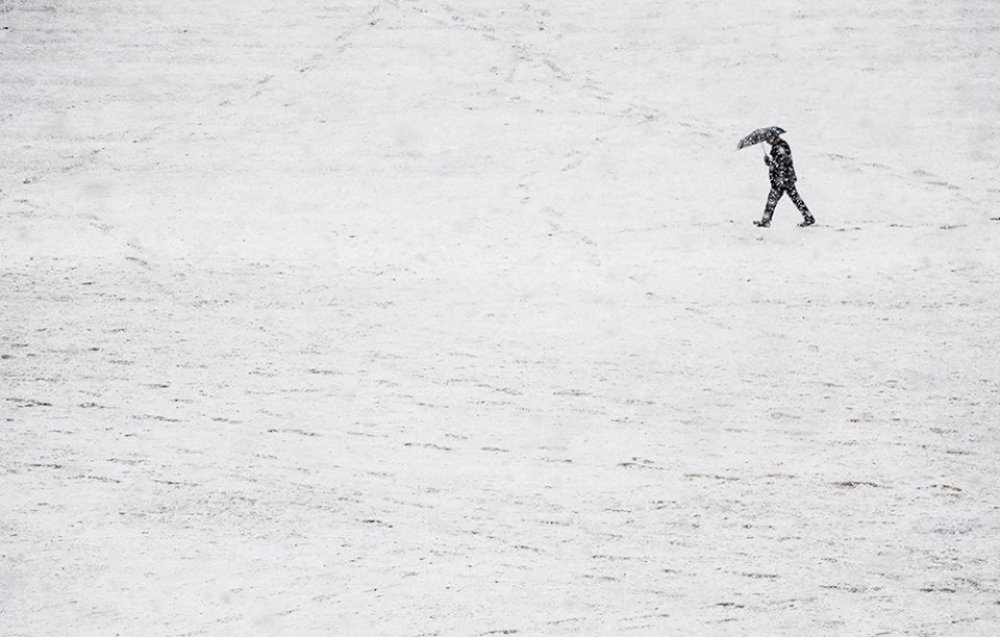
<point x="759" y="135"/>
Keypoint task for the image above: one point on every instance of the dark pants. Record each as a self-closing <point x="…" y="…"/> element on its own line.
<point x="772" y="200"/>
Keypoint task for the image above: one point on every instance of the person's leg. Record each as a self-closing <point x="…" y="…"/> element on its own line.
<point x="807" y="218"/>
<point x="772" y="201"/>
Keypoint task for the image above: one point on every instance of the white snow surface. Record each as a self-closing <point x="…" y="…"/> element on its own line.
<point x="413" y="318"/>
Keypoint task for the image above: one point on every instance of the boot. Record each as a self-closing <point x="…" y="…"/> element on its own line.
<point x="808" y="221"/>
<point x="763" y="223"/>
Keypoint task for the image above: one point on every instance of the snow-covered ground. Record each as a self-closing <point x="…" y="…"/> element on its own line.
<point x="407" y="318"/>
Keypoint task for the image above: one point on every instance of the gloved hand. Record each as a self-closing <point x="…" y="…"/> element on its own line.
<point x="767" y="160"/>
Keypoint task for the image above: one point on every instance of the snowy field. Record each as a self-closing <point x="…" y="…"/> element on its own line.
<point x="407" y="318"/>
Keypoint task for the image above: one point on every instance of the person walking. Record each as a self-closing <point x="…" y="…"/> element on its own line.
<point x="782" y="174"/>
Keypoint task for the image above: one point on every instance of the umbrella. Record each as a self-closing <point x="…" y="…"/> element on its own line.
<point x="759" y="135"/>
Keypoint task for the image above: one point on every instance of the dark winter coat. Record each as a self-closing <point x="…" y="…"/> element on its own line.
<point x="780" y="162"/>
